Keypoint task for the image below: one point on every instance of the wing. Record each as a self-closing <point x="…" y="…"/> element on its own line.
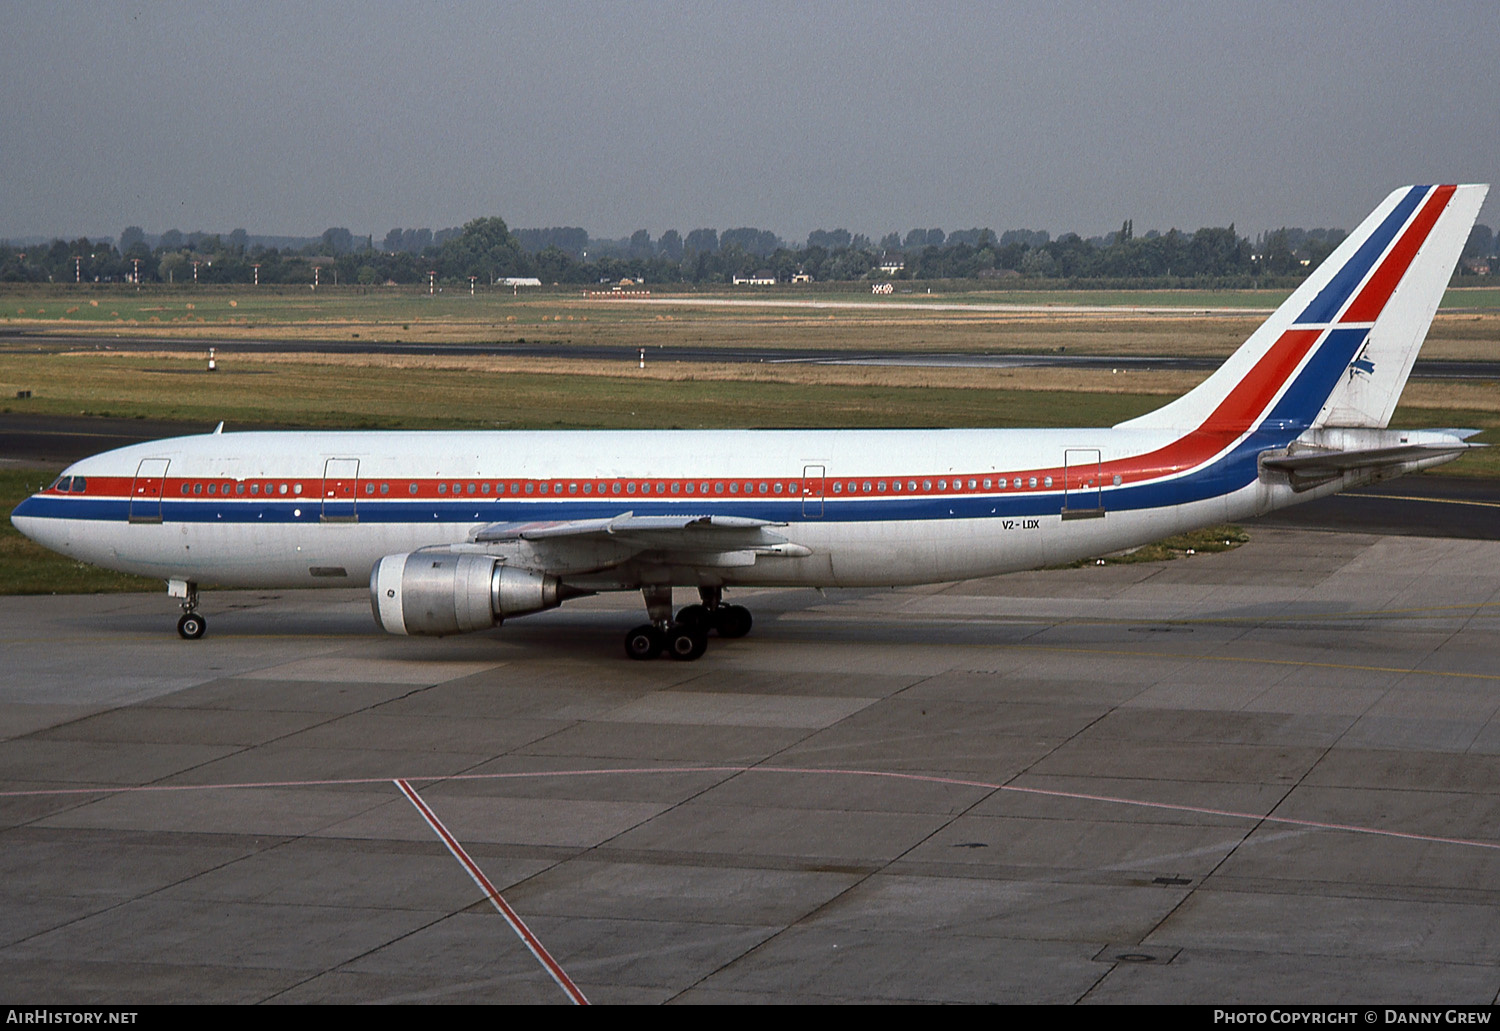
<point x="592" y="544"/>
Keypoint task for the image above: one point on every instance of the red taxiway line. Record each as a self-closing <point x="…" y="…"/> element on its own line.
<point x="511" y="916"/>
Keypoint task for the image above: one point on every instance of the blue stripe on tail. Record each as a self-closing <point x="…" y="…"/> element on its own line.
<point x="1328" y="303"/>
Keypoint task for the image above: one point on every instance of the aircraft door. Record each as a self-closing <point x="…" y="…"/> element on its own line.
<point x="340" y="483"/>
<point x="146" y="491"/>
<point x="1083" y="484"/>
<point x="812" y="491"/>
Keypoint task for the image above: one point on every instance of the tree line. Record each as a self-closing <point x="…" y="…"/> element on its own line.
<point x="487" y="250"/>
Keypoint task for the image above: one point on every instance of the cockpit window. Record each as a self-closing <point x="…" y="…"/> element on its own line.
<point x="79" y="485"/>
<point x="62" y="483"/>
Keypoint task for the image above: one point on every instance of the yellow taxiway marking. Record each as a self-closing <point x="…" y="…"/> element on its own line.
<point x="1434" y="501"/>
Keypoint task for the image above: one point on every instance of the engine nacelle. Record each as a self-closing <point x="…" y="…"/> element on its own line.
<point x="437" y="593"/>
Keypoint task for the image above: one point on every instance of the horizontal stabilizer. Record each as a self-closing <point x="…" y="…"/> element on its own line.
<point x="1323" y="455"/>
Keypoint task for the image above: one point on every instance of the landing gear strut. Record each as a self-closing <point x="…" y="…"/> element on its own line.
<point x="686" y="638"/>
<point x="191" y="626"/>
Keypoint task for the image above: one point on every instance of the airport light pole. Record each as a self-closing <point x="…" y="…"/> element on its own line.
<point x="431" y="282"/>
<point x="471" y="285"/>
<point x="257" y="274"/>
<point x="78" y="268"/>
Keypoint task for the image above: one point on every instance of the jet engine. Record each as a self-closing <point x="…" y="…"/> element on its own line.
<point x="436" y="593"/>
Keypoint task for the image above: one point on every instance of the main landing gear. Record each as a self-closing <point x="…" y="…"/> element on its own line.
<point x="686" y="638"/>
<point x="191" y="626"/>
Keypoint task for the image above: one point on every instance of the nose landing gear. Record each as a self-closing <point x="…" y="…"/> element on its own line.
<point x="191" y="626"/>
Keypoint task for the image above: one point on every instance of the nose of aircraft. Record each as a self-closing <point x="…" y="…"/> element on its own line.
<point x="24" y="516"/>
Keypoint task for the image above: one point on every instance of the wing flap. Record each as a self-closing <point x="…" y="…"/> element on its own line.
<point x="686" y="540"/>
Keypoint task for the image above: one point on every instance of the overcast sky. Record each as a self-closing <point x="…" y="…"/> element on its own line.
<point x="288" y="118"/>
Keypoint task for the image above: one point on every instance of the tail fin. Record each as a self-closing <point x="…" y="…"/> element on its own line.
<point x="1339" y="350"/>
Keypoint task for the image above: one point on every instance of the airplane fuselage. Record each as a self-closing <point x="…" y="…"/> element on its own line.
<point x="876" y="507"/>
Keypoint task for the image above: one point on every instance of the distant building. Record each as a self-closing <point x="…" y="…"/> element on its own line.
<point x="892" y="264"/>
<point x="760" y="277"/>
<point x="801" y="277"/>
<point x="520" y="281"/>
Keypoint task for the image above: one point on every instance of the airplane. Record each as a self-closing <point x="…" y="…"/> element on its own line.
<point x="459" y="531"/>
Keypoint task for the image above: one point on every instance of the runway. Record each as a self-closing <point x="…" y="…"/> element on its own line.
<point x="227" y="349"/>
<point x="1268" y="775"/>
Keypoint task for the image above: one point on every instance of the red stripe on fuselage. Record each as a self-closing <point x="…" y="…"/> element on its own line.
<point x="1378" y="289"/>
<point x="1234" y="416"/>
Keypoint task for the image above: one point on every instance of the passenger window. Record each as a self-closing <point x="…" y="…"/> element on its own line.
<point x="630" y="488"/>
<point x="411" y="488"/>
<point x="369" y="488"/>
<point x="254" y="488"/>
<point x="442" y="488"/>
<point x="197" y="488"/>
<point x="530" y="488"/>
<point x="1047" y="482"/>
<point x="838" y="488"/>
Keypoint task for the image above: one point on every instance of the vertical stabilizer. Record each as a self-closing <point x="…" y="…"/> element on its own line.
<point x="1339" y="350"/>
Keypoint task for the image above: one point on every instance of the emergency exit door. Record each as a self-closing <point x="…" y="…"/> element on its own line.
<point x="146" y="490"/>
<point x="340" y="486"/>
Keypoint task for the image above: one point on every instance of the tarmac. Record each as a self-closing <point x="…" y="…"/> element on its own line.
<point x="1270" y="775"/>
